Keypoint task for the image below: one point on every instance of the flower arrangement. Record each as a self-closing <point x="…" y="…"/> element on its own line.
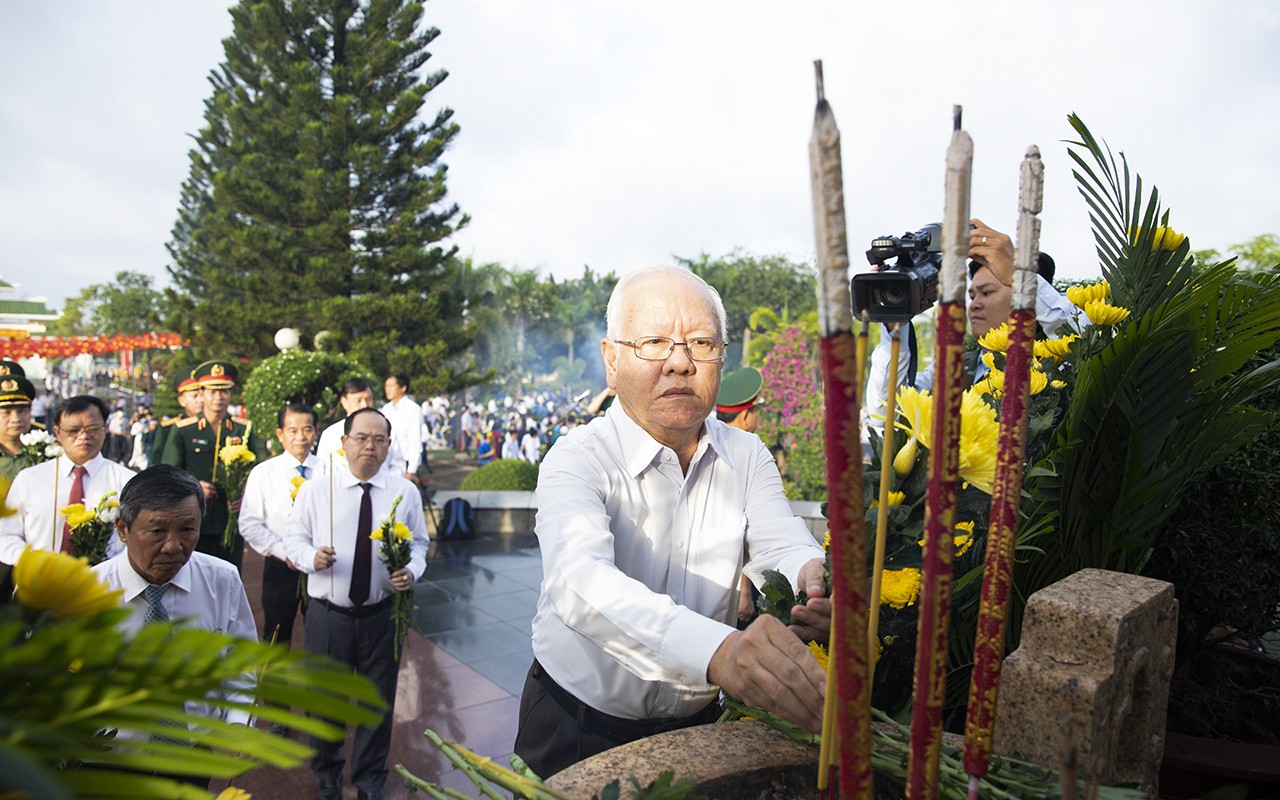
<point x="396" y="537"/>
<point x="92" y="525"/>
<point x="235" y="460"/>
<point x="38" y="446"/>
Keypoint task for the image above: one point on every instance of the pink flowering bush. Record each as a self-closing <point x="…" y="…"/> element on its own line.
<point x="793" y="420"/>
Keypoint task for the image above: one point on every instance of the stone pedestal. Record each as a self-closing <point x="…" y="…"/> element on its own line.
<point x="1092" y="675"/>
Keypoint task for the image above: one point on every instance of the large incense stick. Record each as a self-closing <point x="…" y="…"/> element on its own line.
<point x="1006" y="495"/>
<point x="845" y="506"/>
<point x="944" y="462"/>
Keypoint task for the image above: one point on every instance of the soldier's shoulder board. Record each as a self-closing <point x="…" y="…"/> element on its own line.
<point x="182" y="423"/>
<point x="37" y="426"/>
<point x="164" y="423"/>
<point x="240" y="420"/>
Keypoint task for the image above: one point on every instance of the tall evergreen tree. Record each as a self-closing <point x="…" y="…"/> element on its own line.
<point x="316" y="194"/>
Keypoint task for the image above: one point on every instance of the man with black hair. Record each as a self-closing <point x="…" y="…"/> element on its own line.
<point x="349" y="616"/>
<point x="79" y="475"/>
<point x="355" y="395"/>
<point x="991" y="272"/>
<point x="406" y="425"/>
<point x="268" y="500"/>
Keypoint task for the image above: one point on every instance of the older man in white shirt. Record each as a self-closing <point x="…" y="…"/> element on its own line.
<point x="644" y="516"/>
<point x="265" y="509"/>
<point x="79" y="475"/>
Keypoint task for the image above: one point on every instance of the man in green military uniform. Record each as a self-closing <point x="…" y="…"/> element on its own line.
<point x="191" y="400"/>
<point x="194" y="444"/>
<point x="16" y="396"/>
<point x="736" y="407"/>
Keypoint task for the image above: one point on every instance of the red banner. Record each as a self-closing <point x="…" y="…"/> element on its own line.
<point x="71" y="346"/>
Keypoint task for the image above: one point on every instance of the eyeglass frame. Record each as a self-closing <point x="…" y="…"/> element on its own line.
<point x="635" y="348"/>
<point x="75" y="433"/>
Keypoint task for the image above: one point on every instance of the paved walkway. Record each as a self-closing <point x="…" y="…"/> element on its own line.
<point x="462" y="676"/>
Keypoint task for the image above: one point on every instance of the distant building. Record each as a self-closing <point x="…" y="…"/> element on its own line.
<point x="20" y="319"/>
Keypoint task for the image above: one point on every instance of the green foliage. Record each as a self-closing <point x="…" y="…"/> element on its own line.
<point x="126" y="305"/>
<point x="316" y="194"/>
<point x="504" y="475"/>
<point x="298" y="376"/>
<point x="66" y="687"/>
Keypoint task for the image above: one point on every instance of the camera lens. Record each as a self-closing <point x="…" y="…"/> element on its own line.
<point x="890" y="295"/>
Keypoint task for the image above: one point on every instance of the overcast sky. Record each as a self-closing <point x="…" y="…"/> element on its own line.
<point x="618" y="134"/>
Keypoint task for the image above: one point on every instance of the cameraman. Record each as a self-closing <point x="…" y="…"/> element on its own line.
<point x="990" y="305"/>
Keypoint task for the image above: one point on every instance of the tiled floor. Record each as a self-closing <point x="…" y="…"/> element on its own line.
<point x="461" y="678"/>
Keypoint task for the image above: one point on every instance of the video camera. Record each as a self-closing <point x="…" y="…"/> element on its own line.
<point x="910" y="285"/>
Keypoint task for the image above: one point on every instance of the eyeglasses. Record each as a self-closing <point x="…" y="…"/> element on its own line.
<point x="361" y="439"/>
<point x="660" y="348"/>
<point x="88" y="430"/>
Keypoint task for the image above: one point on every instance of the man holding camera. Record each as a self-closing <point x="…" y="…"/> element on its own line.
<point x="991" y="272"/>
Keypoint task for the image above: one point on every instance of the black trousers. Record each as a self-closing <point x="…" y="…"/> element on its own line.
<point x="556" y="730"/>
<point x="362" y="639"/>
<point x="280" y="600"/>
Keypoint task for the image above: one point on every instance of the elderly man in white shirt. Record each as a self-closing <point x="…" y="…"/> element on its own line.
<point x="79" y="475"/>
<point x="349" y="617"/>
<point x="268" y="500"/>
<point x="162" y="576"/>
<point x="406" y="425"/>
<point x="644" y="516"/>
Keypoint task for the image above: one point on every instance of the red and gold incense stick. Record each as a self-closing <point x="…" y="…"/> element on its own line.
<point x="1006" y="495"/>
<point x="845" y="510"/>
<point x="944" y="463"/>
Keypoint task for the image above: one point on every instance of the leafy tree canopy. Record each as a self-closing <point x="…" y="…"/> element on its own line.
<point x="128" y="304"/>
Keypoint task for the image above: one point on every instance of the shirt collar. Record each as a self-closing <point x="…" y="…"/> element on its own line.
<point x="642" y="449"/>
<point x="133" y="583"/>
<point x="92" y="466"/>
<point x="347" y="479"/>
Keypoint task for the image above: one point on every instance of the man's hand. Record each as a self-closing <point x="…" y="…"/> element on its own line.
<point x="233" y="506"/>
<point x="992" y="249"/>
<point x="813" y="619"/>
<point x="325" y="556"/>
<point x="210" y="491"/>
<point x="767" y="666"/>
<point x="402" y="580"/>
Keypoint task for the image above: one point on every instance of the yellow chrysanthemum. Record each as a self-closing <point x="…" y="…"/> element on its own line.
<point x="62" y="585"/>
<point x="899" y="588"/>
<point x="233" y="793"/>
<point x="5" y="509"/>
<point x="895" y="499"/>
<point x="1101" y="313"/>
<point x="77" y="514"/>
<point x="819" y="654"/>
<point x="403" y="532"/>
<point x="916" y="408"/>
<point x="1058" y="385"/>
<point x="1081" y="295"/>
<point x="826" y="542"/>
<point x="906" y="458"/>
<point x="979" y="432"/>
<point x="236" y="452"/>
<point x="997" y="339"/>
<point x="992" y="383"/>
<point x="1167" y="239"/>
<point x="376" y="535"/>
<point x="1059" y="349"/>
<point x="964" y="538"/>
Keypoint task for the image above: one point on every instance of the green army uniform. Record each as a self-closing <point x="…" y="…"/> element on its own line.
<point x="15" y="391"/>
<point x="194" y="444"/>
<point x="186" y="384"/>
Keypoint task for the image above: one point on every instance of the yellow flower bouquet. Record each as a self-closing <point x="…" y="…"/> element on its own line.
<point x="235" y="460"/>
<point x="92" y="526"/>
<point x="396" y="537"/>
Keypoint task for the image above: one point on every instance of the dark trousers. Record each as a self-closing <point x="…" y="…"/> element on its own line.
<point x="556" y="730"/>
<point x="280" y="600"/>
<point x="363" y="640"/>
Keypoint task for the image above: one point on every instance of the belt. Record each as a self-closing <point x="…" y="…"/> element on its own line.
<point x="617" y="729"/>
<point x="359" y="612"/>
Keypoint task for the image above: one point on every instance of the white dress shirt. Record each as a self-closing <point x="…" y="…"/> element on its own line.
<point x="315" y="522"/>
<point x="207" y="593"/>
<point x="406" y="430"/>
<point x="641" y="562"/>
<point x="331" y="443"/>
<point x="267" y="502"/>
<point x="38" y="522"/>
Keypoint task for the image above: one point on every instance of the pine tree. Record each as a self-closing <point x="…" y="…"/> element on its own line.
<point x="316" y="194"/>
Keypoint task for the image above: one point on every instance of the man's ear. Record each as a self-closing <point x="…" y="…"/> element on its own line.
<point x="609" y="352"/>
<point x="121" y="530"/>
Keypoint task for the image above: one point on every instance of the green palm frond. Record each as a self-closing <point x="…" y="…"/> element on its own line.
<point x="80" y="697"/>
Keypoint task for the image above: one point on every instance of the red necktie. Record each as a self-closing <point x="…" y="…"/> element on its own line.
<point x="362" y="566"/>
<point x="77" y="496"/>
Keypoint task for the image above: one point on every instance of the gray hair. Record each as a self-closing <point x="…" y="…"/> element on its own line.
<point x="158" y="487"/>
<point x="613" y="314"/>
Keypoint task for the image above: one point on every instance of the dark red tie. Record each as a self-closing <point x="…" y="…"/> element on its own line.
<point x="77" y="496"/>
<point x="362" y="567"/>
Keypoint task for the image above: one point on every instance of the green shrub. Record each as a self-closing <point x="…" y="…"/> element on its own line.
<point x="507" y="475"/>
<point x="298" y="376"/>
